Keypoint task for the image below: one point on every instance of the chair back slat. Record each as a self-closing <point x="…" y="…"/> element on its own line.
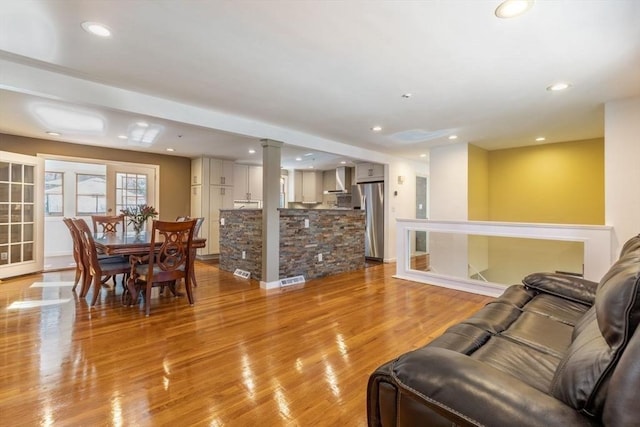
<point x="108" y="223"/>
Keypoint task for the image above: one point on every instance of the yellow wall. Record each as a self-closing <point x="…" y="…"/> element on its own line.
<point x="559" y="183"/>
<point x="175" y="172"/>
<point x="478" y="185"/>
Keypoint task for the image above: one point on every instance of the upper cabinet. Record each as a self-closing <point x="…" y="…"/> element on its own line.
<point x="367" y="172"/>
<point x="196" y="170"/>
<point x="221" y="172"/>
<point x="247" y="182"/>
<point x="308" y="186"/>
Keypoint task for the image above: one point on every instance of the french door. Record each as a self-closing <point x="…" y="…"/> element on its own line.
<point x="21" y="230"/>
<point x="130" y="185"/>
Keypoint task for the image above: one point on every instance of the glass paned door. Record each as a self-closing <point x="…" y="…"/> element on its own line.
<point x="129" y="186"/>
<point x="18" y="223"/>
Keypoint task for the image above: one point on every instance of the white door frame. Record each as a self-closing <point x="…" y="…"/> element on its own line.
<point x="111" y="166"/>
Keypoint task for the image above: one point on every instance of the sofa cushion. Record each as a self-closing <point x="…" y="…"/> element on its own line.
<point x="582" y="376"/>
<point x="562" y="285"/>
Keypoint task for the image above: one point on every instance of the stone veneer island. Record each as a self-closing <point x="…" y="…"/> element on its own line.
<point x="337" y="234"/>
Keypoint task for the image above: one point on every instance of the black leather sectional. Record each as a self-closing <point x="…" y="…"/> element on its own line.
<point x="554" y="351"/>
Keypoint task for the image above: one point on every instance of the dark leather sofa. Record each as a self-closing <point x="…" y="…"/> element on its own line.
<point x="554" y="351"/>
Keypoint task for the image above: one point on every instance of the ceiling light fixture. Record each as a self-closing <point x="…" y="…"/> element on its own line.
<point x="343" y="162"/>
<point x="452" y="137"/>
<point x="171" y="150"/>
<point x="68" y="120"/>
<point x="53" y="133"/>
<point x="540" y="138"/>
<point x="423" y="155"/>
<point x="376" y="128"/>
<point x="513" y="8"/>
<point x="123" y="136"/>
<point x="558" y="86"/>
<point x="96" y="28"/>
<point x="252" y="151"/>
<point x="142" y="124"/>
<point x="298" y="159"/>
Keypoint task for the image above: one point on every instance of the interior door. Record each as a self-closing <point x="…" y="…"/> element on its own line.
<point x="21" y="229"/>
<point x="130" y="185"/>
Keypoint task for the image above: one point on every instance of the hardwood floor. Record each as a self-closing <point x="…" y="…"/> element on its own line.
<point x="240" y="357"/>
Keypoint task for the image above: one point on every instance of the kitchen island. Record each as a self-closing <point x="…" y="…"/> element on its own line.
<point x="313" y="242"/>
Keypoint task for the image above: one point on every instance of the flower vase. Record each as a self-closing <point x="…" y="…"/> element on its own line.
<point x="137" y="228"/>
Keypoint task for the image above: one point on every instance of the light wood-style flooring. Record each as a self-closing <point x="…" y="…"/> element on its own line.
<point x="240" y="357"/>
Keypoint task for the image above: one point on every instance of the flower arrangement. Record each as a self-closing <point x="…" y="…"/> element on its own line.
<point x="138" y="216"/>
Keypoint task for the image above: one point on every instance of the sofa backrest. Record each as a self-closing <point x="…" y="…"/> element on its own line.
<point x="582" y="377"/>
<point x="633" y="244"/>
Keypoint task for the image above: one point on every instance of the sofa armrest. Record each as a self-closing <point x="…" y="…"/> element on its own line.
<point x="563" y="285"/>
<point x="469" y="392"/>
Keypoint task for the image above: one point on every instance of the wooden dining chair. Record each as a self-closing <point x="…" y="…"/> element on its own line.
<point x="108" y="223"/>
<point x="166" y="265"/>
<point x="99" y="268"/>
<point x="82" y="269"/>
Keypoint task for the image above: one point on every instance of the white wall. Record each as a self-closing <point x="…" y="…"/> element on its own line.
<point x="400" y="199"/>
<point x="622" y="168"/>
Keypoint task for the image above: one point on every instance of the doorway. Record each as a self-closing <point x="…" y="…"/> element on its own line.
<point x="79" y="188"/>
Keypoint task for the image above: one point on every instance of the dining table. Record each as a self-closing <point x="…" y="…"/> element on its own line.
<point x="131" y="243"/>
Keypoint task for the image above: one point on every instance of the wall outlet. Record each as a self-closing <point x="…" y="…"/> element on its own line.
<point x="320" y="257"/>
<point x="221" y="221"/>
<point x="4" y="256"/>
<point x="244" y="254"/>
<point x="306" y="223"/>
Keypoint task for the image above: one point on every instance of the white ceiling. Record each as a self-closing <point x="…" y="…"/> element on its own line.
<point x="218" y="76"/>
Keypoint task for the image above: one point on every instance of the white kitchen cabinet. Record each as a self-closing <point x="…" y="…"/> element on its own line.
<point x="211" y="190"/>
<point x="311" y="187"/>
<point x="220" y="197"/>
<point x="221" y="172"/>
<point x="367" y="172"/>
<point x="197" y="170"/>
<point x="247" y="182"/>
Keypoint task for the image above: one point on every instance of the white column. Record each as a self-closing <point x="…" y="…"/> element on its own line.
<point x="621" y="168"/>
<point x="270" y="214"/>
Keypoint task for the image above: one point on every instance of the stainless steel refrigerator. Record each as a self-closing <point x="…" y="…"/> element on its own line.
<point x="370" y="198"/>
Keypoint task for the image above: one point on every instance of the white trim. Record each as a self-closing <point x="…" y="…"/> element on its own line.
<point x="270" y="285"/>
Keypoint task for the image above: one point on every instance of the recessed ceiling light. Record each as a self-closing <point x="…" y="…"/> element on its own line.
<point x="96" y="28"/>
<point x="171" y="149"/>
<point x="311" y="167"/>
<point x="540" y="138"/>
<point x="558" y="86"/>
<point x="406" y="95"/>
<point x="252" y="151"/>
<point x="53" y="133"/>
<point x="423" y="155"/>
<point x="298" y="159"/>
<point x="142" y="124"/>
<point x="376" y="128"/>
<point x="343" y="162"/>
<point x="308" y="154"/>
<point x="452" y="137"/>
<point x="122" y="136"/>
<point x="512" y="8"/>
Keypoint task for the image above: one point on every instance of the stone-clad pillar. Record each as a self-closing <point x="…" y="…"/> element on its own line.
<point x="270" y="214"/>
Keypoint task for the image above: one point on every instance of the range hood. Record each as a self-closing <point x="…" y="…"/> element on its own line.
<point x="343" y="181"/>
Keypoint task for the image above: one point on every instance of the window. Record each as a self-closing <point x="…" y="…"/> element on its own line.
<point x="131" y="190"/>
<point x="17" y="194"/>
<point x="53" y="193"/>
<point x="91" y="194"/>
